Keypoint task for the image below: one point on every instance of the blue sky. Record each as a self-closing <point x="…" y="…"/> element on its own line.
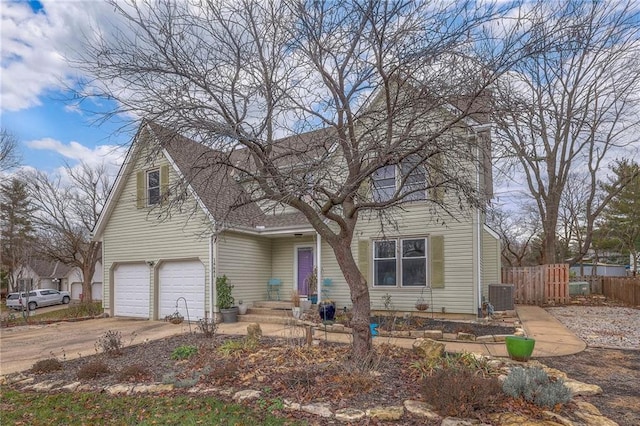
<point x="35" y="106"/>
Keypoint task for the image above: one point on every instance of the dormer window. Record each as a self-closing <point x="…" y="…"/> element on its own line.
<point x="153" y="187"/>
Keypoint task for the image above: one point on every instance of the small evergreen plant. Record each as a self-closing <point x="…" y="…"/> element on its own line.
<point x="534" y="385"/>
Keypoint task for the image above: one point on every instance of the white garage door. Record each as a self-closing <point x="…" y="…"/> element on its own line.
<point x="96" y="291"/>
<point x="181" y="279"/>
<point x="76" y="291"/>
<point x="131" y="290"/>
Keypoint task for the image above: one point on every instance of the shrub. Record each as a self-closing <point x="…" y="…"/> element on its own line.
<point x="85" y="310"/>
<point x="208" y="327"/>
<point x="133" y="373"/>
<point x="534" y="385"/>
<point x="93" y="370"/>
<point x="184" y="352"/>
<point x="230" y="347"/>
<point x="110" y="343"/>
<point x="46" y="365"/>
<point x="464" y="360"/>
<point x="459" y="392"/>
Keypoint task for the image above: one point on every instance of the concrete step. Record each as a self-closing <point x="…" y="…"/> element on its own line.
<point x="269" y="312"/>
<point x="266" y="319"/>
<point x="273" y="304"/>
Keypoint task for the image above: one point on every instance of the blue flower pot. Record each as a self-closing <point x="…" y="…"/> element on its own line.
<point x="374" y="329"/>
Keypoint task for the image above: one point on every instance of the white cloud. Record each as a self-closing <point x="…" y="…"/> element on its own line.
<point x="110" y="155"/>
<point x="34" y="47"/>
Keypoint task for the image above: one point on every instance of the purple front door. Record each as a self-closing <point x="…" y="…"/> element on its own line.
<point x="305" y="268"/>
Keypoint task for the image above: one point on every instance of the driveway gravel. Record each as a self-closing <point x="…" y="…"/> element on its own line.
<point x="602" y="326"/>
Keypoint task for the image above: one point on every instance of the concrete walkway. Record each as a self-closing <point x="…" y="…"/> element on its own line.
<point x="21" y="347"/>
<point x="552" y="338"/>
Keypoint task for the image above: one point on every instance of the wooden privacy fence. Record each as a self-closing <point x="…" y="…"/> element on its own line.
<point x="595" y="282"/>
<point x="539" y="285"/>
<point x="624" y="289"/>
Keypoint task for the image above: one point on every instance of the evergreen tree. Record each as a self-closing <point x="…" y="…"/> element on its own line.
<point x="17" y="233"/>
<point x="622" y="216"/>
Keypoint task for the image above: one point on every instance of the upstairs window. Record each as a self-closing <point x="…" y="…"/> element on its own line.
<point x="384" y="183"/>
<point x="387" y="180"/>
<point x="415" y="178"/>
<point x="153" y="187"/>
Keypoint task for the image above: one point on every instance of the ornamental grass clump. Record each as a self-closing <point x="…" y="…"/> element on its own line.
<point x="534" y="385"/>
<point x="459" y="392"/>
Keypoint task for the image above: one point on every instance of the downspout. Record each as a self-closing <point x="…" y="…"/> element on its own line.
<point x="319" y="266"/>
<point x="479" y="234"/>
<point x="212" y="274"/>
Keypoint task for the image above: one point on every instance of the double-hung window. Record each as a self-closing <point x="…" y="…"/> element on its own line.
<point x="153" y="187"/>
<point x="384" y="183"/>
<point x="387" y="180"/>
<point x="400" y="262"/>
<point x="415" y="177"/>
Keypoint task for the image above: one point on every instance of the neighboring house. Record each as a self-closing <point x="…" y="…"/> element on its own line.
<point x="152" y="259"/>
<point x="600" y="269"/>
<point x="40" y="273"/>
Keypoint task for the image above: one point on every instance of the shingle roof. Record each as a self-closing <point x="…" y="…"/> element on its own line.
<point x="49" y="268"/>
<point x="215" y="184"/>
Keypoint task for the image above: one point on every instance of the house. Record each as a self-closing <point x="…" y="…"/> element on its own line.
<point x="157" y="262"/>
<point x="42" y="273"/>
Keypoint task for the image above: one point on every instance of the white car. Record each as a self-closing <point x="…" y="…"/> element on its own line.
<point x="37" y="299"/>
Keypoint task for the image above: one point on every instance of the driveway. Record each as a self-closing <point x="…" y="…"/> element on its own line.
<point x="21" y="347"/>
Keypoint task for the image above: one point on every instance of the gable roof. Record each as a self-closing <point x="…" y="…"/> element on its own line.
<point x="214" y="184"/>
<point x="49" y="268"/>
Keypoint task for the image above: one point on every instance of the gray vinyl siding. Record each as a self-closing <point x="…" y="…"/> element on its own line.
<point x="135" y="235"/>
<point x="246" y="260"/>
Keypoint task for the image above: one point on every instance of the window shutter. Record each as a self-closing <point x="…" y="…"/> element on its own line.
<point x="164" y="183"/>
<point x="363" y="260"/>
<point x="437" y="261"/>
<point x="140" y="198"/>
<point x="437" y="178"/>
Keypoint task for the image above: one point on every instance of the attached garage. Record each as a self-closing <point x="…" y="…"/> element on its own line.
<point x="96" y="291"/>
<point x="131" y="287"/>
<point x="76" y="291"/>
<point x="185" y="278"/>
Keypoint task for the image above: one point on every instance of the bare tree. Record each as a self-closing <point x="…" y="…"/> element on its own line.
<point x="9" y="155"/>
<point x="571" y="105"/>
<point x="383" y="83"/>
<point x="67" y="209"/>
<point x="519" y="231"/>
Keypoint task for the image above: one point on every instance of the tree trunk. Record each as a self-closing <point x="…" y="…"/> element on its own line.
<point x="88" y="269"/>
<point x="549" y="225"/>
<point x="362" y="344"/>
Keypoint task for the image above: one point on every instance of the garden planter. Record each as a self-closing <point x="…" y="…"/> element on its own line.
<point x="297" y="312"/>
<point x="519" y="348"/>
<point x="374" y="329"/>
<point x="305" y="305"/>
<point x="242" y="308"/>
<point x="327" y="311"/>
<point x="229" y="315"/>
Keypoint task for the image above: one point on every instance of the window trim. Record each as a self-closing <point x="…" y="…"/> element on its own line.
<point x="398" y="175"/>
<point x="148" y="188"/>
<point x="399" y="257"/>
